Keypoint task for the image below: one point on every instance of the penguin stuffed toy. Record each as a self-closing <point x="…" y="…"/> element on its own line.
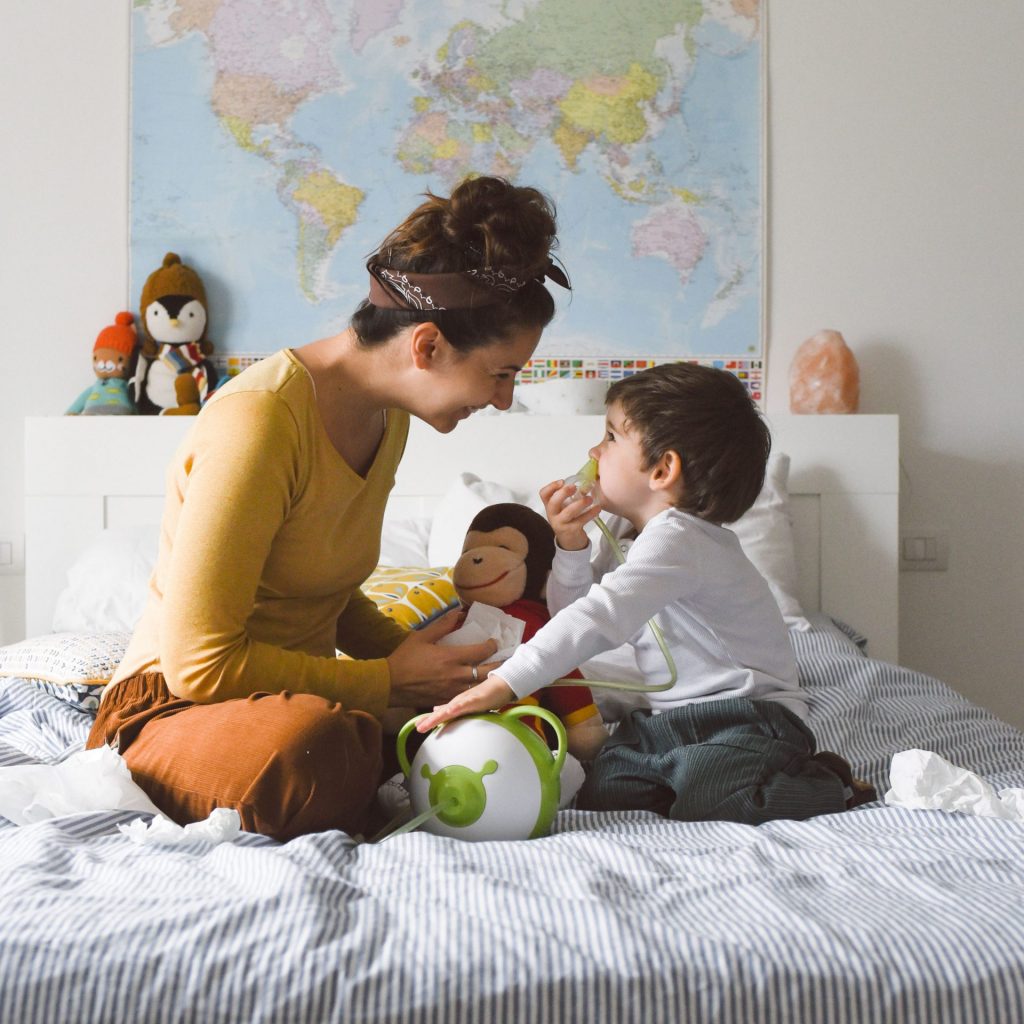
<point x="175" y="375"/>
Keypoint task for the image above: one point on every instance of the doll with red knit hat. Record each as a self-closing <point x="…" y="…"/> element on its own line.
<point x="112" y="363"/>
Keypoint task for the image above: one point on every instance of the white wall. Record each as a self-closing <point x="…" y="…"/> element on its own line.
<point x="63" y="223"/>
<point x="896" y="217"/>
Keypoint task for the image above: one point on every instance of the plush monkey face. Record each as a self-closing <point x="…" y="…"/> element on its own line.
<point x="506" y="556"/>
<point x="492" y="567"/>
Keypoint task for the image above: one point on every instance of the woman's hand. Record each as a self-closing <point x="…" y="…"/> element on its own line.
<point x="492" y="693"/>
<point x="569" y="511"/>
<point x="425" y="673"/>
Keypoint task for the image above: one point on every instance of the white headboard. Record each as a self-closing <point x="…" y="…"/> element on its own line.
<point x="87" y="473"/>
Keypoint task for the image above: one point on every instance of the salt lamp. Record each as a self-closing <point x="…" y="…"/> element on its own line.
<point x="824" y="377"/>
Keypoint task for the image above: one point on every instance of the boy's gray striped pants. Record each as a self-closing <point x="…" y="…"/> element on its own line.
<point x="741" y="760"/>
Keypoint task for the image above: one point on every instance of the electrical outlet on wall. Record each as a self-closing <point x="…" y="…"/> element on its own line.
<point x="12" y="561"/>
<point x="923" y="549"/>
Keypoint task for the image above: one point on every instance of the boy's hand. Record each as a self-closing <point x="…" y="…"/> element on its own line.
<point x="568" y="512"/>
<point x="492" y="693"/>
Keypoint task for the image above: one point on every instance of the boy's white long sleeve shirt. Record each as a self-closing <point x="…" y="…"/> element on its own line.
<point x="716" y="612"/>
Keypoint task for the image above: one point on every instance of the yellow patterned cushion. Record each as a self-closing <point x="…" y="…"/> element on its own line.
<point x="412" y="597"/>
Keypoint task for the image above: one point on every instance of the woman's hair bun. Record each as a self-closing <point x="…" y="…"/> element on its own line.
<point x="486" y="222"/>
<point x="509" y="225"/>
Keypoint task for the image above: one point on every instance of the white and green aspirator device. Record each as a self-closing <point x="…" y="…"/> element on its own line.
<point x="485" y="777"/>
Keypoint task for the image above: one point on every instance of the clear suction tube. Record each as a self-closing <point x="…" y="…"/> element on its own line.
<point x="586" y="481"/>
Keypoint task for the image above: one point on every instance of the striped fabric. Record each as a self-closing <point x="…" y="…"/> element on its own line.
<point x="879" y="914"/>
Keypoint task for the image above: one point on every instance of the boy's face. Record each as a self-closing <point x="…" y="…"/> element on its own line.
<point x="624" y="483"/>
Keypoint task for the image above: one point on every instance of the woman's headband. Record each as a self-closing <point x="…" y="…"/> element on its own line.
<point x="467" y="289"/>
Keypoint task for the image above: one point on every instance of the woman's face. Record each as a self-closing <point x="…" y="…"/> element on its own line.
<point x="463" y="384"/>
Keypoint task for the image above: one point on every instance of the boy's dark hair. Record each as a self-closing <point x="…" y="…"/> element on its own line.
<point x="710" y="421"/>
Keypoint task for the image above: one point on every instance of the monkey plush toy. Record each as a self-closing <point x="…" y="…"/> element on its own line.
<point x="505" y="562"/>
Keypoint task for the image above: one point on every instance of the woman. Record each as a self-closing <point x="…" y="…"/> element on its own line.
<point x="230" y="694"/>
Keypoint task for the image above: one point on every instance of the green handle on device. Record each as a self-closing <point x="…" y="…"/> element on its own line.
<point x="532" y="711"/>
<point x="511" y="714"/>
<point x="400" y="740"/>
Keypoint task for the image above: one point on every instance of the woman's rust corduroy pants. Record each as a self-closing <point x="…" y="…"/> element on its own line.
<point x="289" y="763"/>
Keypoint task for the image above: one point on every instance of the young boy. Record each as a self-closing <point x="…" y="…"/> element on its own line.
<point x="683" y="454"/>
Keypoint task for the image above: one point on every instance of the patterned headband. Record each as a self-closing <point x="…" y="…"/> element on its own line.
<point x="468" y="289"/>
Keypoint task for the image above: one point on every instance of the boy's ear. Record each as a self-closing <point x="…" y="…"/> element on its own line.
<point x="667" y="472"/>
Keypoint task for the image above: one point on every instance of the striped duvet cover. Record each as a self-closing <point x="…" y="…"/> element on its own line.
<point x="878" y="914"/>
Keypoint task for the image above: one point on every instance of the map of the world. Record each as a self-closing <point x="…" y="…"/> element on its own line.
<point x="275" y="142"/>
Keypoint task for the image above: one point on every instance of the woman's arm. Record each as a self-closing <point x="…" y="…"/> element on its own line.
<point x="364" y="631"/>
<point x="421" y="671"/>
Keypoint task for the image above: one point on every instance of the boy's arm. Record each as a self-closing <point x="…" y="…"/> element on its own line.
<point x="570" y="513"/>
<point x="658" y="571"/>
<point x="572" y="575"/>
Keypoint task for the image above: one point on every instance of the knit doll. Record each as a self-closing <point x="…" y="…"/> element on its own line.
<point x="505" y="562"/>
<point x="111" y="362"/>
<point x="175" y="376"/>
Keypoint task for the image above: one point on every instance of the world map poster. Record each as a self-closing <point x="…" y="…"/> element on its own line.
<point x="275" y="142"/>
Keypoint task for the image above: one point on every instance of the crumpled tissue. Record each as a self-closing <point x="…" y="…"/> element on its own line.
<point x="99" y="780"/>
<point x="921" y="779"/>
<point x="484" y="622"/>
<point x="91" y="780"/>
<point x="221" y="826"/>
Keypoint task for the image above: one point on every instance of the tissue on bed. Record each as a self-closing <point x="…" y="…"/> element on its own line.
<point x="922" y="780"/>
<point x="484" y="622"/>
<point x="91" y="780"/>
<point x="221" y="826"/>
<point x="99" y="780"/>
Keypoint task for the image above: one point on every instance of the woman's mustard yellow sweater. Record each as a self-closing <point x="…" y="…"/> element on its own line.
<point x="267" y="534"/>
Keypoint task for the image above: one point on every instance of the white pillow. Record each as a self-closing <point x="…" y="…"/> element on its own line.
<point x="108" y="583"/>
<point x="461" y="502"/>
<point x="404" y="542"/>
<point x="766" y="535"/>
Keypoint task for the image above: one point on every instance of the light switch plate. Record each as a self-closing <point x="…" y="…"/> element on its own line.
<point x="11" y="561"/>
<point x="923" y="549"/>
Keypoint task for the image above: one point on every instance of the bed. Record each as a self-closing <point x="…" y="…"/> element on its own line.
<point x="881" y="913"/>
